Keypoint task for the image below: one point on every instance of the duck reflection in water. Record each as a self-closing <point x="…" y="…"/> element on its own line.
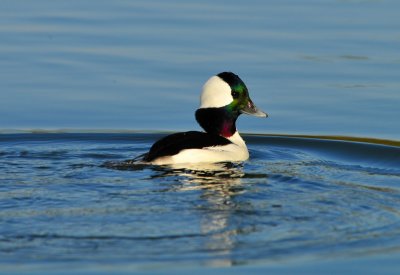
<point x="219" y="184"/>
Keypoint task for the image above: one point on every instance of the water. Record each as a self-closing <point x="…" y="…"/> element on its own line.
<point x="69" y="198"/>
<point x="316" y="67"/>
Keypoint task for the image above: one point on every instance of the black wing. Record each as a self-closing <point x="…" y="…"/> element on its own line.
<point x="173" y="144"/>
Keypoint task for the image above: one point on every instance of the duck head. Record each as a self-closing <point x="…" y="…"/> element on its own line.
<point x="223" y="99"/>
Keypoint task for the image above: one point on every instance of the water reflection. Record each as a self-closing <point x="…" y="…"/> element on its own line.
<point x="219" y="184"/>
<point x="216" y="187"/>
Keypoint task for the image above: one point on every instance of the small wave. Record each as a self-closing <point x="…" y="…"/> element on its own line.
<point x="100" y="156"/>
<point x="32" y="237"/>
<point x="54" y="154"/>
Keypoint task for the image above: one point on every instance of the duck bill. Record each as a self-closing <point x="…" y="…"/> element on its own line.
<point x="251" y="109"/>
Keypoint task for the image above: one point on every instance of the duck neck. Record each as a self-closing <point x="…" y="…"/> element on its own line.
<point x="217" y="121"/>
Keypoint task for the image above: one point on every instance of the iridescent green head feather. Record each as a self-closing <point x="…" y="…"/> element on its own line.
<point x="241" y="102"/>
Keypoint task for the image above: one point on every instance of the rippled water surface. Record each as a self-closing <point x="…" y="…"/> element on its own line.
<point x="70" y="198"/>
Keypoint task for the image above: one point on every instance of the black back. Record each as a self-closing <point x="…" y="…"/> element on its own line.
<point x="173" y="144"/>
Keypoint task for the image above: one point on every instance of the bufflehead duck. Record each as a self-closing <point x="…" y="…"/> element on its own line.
<point x="224" y="97"/>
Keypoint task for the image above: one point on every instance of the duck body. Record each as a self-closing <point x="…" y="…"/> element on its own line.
<point x="196" y="147"/>
<point x="223" y="99"/>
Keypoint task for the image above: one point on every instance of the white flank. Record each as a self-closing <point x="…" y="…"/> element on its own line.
<point x="237" y="151"/>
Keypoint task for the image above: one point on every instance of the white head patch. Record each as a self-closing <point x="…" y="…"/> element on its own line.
<point x="216" y="93"/>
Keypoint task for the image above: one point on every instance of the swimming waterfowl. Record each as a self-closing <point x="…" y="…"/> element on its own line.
<point x="224" y="97"/>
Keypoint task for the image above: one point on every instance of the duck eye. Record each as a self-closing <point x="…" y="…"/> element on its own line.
<point x="235" y="94"/>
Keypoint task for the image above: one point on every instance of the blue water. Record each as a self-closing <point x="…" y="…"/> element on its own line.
<point x="317" y="67"/>
<point x="73" y="199"/>
<point x="133" y="69"/>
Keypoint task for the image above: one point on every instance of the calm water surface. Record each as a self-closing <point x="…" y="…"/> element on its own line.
<point x="71" y="198"/>
<point x="317" y="67"/>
